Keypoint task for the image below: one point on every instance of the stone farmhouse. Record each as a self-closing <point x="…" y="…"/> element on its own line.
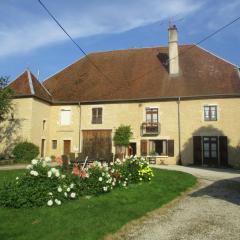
<point x="181" y="101"/>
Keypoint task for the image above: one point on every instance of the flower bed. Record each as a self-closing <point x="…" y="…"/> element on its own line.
<point x="44" y="185"/>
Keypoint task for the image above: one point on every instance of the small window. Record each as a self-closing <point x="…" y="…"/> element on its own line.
<point x="210" y="113"/>
<point x="54" y="144"/>
<point x="152" y="115"/>
<point x="44" y="124"/>
<point x="65" y="117"/>
<point x="96" y="115"/>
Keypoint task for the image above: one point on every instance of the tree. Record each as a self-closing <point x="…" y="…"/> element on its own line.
<point x="121" y="140"/>
<point x="5" y="98"/>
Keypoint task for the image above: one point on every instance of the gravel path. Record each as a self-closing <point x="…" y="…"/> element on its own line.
<point x="212" y="211"/>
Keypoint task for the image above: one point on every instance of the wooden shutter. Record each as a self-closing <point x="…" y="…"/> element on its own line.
<point x="197" y="149"/>
<point x="144" y="147"/>
<point x="223" y="150"/>
<point x="171" y="148"/>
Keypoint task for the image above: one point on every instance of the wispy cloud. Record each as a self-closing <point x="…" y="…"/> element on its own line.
<point x="24" y="30"/>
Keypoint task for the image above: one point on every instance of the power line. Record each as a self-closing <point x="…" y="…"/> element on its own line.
<point x="206" y="38"/>
<point x="74" y="42"/>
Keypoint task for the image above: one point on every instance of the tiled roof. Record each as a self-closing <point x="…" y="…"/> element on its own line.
<point x="28" y="85"/>
<point x="142" y="74"/>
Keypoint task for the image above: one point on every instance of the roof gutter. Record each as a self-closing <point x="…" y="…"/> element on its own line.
<point x="173" y="98"/>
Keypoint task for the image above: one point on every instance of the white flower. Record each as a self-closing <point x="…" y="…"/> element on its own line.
<point x="72" y="185"/>
<point x="100" y="179"/>
<point x="113" y="183"/>
<point x="29" y="166"/>
<point x="54" y="170"/>
<point x="50" y="203"/>
<point x="111" y="163"/>
<point x="63" y="176"/>
<point x="50" y="194"/>
<point x="49" y="174"/>
<point x="73" y="195"/>
<point x="105" y="189"/>
<point x="149" y="179"/>
<point x="140" y="179"/>
<point x="57" y="174"/>
<point x="34" y="161"/>
<point x="68" y="189"/>
<point x="48" y="159"/>
<point x="65" y="194"/>
<point x="58" y="202"/>
<point x="44" y="164"/>
<point x="34" y="173"/>
<point x="17" y="178"/>
<point x="59" y="189"/>
<point x="103" y="173"/>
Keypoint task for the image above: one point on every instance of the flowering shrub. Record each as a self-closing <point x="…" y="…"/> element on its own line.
<point x="40" y="185"/>
<point x="45" y="185"/>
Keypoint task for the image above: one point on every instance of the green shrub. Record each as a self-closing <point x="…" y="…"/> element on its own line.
<point x="25" y="151"/>
<point x="41" y="185"/>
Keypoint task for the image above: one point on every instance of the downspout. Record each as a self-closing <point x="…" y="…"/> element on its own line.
<point x="79" y="132"/>
<point x="179" y="133"/>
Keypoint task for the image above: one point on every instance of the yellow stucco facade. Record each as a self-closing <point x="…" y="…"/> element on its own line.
<point x="41" y="121"/>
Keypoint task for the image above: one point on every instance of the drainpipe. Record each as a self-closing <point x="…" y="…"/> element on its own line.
<point x="179" y="133"/>
<point x="79" y="133"/>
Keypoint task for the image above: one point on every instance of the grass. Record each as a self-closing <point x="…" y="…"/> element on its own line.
<point x="95" y="217"/>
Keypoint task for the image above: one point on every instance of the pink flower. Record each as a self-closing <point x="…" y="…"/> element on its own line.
<point x="59" y="160"/>
<point x="76" y="171"/>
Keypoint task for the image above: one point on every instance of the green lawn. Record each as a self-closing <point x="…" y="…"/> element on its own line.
<point x="95" y="217"/>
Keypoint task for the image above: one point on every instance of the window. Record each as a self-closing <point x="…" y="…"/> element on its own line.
<point x="158" y="147"/>
<point x="96" y="115"/>
<point x="210" y="113"/>
<point x="65" y="117"/>
<point x="54" y="144"/>
<point x="152" y="115"/>
<point x="44" y="124"/>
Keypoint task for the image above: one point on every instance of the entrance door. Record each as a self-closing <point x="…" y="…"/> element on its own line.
<point x="42" y="147"/>
<point x="132" y="149"/>
<point x="210" y="151"/>
<point x="97" y="144"/>
<point x="66" y="147"/>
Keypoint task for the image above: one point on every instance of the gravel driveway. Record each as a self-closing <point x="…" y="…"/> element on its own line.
<point x="212" y="211"/>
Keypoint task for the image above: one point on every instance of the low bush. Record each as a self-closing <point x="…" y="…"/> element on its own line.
<point x="44" y="185"/>
<point x="25" y="152"/>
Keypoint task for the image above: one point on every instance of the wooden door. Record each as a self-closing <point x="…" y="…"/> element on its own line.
<point x="66" y="147"/>
<point x="97" y="144"/>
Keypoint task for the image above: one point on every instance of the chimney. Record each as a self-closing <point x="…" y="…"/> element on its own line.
<point x="173" y="50"/>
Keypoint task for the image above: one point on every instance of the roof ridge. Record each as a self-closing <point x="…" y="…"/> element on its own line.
<point x="99" y="52"/>
<point x="30" y="82"/>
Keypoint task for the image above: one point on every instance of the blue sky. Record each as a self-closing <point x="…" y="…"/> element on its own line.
<point x="30" y="39"/>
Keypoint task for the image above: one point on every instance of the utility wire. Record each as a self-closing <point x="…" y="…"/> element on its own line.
<point x="74" y="42"/>
<point x="206" y="38"/>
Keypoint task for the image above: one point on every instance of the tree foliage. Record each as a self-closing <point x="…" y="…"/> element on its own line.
<point x="5" y="98"/>
<point x="122" y="136"/>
